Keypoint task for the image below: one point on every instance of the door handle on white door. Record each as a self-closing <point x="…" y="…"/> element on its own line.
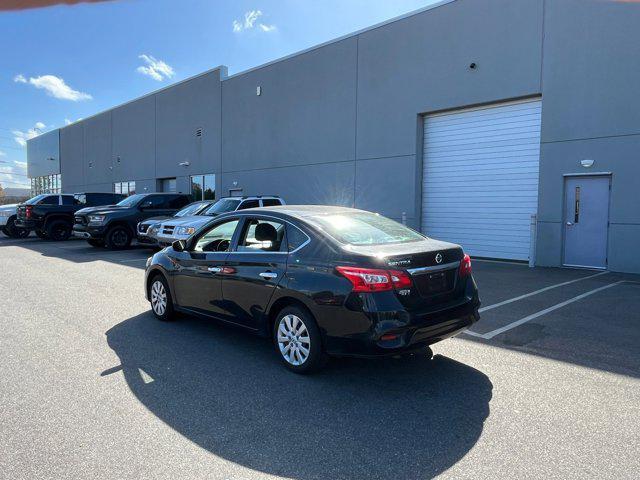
<point x="268" y="275"/>
<point x="215" y="269"/>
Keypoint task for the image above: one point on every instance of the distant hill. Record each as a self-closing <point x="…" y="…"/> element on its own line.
<point x="14" y="195"/>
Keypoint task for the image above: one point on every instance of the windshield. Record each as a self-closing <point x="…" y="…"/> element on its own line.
<point x="363" y="228"/>
<point x="35" y="200"/>
<point x="130" y="201"/>
<point x="192" y="209"/>
<point x="223" y="205"/>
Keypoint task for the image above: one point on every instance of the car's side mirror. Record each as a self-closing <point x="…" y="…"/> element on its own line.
<point x="179" y="245"/>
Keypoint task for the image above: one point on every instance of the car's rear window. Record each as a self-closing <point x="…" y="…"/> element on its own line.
<point x="363" y="228"/>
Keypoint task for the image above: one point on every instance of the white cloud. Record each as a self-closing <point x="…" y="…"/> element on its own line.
<point x="14" y="173"/>
<point x="156" y="69"/>
<point x="21" y="137"/>
<point x="251" y="21"/>
<point x="54" y="86"/>
<point x="2" y="154"/>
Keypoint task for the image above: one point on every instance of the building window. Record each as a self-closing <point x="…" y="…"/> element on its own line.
<point x="126" y="188"/>
<point x="203" y="187"/>
<point x="46" y="184"/>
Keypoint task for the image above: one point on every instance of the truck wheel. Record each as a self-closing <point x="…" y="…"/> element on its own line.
<point x="58" y="230"/>
<point x="15" y="232"/>
<point x="41" y="234"/>
<point x="5" y="231"/>
<point x="96" y="243"/>
<point x="118" y="238"/>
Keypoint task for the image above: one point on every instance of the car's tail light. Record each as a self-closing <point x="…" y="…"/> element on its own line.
<point x="465" y="266"/>
<point x="400" y="279"/>
<point x="374" y="280"/>
<point x="27" y="211"/>
<point x="367" y="279"/>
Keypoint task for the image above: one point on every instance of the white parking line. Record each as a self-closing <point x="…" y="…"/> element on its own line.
<point x="146" y="378"/>
<point x="132" y="260"/>
<point x="498" y="331"/>
<point x="545" y="289"/>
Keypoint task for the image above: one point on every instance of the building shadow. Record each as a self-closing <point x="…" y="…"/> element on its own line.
<point x="226" y="391"/>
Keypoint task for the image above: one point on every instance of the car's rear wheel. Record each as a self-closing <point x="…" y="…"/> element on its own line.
<point x="58" y="230"/>
<point x="297" y="340"/>
<point x="96" y="243"/>
<point x="161" y="304"/>
<point x="41" y="234"/>
<point x="118" y="238"/>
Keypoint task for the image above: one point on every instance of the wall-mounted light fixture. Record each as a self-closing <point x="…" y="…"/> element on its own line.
<point x="587" y="163"/>
<point x="258" y="90"/>
<point x="184" y="164"/>
<point x="51" y="159"/>
<point x="234" y="183"/>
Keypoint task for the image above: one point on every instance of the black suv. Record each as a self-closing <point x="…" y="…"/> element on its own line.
<point x="114" y="226"/>
<point x="52" y="215"/>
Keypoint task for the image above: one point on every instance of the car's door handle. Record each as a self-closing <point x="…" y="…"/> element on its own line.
<point x="268" y="275"/>
<point x="215" y="269"/>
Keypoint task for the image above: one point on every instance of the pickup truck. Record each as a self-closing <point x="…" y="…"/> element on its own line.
<point x="52" y="215"/>
<point x="114" y="226"/>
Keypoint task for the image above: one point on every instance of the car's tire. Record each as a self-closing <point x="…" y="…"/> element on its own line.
<point x="118" y="238"/>
<point x="15" y="232"/>
<point x="160" y="299"/>
<point x="96" y="243"/>
<point x="58" y="230"/>
<point x="298" y="341"/>
<point x="41" y="234"/>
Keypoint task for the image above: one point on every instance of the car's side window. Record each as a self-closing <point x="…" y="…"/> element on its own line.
<point x="271" y="202"/>
<point x="68" y="200"/>
<point x="262" y="236"/>
<point x="295" y="238"/>
<point x="178" y="201"/>
<point x="50" y="200"/>
<point x="217" y="238"/>
<point x="155" y="202"/>
<point x="249" y="204"/>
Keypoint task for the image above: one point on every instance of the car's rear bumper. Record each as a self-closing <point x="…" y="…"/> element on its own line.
<point x="26" y="224"/>
<point x="385" y="332"/>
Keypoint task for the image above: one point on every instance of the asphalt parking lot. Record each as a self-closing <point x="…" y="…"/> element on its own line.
<point x="546" y="385"/>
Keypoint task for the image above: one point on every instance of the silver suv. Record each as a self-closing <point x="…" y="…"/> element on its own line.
<point x="168" y="231"/>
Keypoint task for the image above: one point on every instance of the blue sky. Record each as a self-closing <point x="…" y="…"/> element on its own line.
<point x="63" y="63"/>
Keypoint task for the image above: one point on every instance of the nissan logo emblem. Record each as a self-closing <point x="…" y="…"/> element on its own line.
<point x="439" y="258"/>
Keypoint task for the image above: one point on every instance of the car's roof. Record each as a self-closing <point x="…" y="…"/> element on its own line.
<point x="246" y="197"/>
<point x="302" y="211"/>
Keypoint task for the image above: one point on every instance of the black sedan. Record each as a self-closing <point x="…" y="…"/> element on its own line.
<point x="319" y="281"/>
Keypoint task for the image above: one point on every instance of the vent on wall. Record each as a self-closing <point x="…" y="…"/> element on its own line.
<point x="198" y="132"/>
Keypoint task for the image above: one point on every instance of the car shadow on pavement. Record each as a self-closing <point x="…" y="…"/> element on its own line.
<point x="226" y="391"/>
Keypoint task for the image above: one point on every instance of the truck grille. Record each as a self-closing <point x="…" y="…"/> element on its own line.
<point x="168" y="229"/>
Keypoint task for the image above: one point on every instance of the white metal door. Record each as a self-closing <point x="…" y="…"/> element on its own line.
<point x="480" y="177"/>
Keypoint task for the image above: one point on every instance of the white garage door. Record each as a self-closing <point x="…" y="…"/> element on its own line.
<point x="480" y="177"/>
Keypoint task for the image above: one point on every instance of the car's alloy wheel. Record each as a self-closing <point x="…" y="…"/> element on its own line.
<point x="158" y="298"/>
<point x="293" y="340"/>
<point x="41" y="234"/>
<point x="118" y="238"/>
<point x="298" y="341"/>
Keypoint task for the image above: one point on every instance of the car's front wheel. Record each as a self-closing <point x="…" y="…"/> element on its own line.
<point x="15" y="232"/>
<point x="59" y="230"/>
<point x="297" y="340"/>
<point x="41" y="234"/>
<point x="161" y="304"/>
<point x="118" y="238"/>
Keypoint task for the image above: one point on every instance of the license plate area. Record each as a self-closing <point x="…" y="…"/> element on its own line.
<point x="435" y="283"/>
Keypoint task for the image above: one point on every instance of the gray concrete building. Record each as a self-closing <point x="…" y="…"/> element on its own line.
<point x="463" y="119"/>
